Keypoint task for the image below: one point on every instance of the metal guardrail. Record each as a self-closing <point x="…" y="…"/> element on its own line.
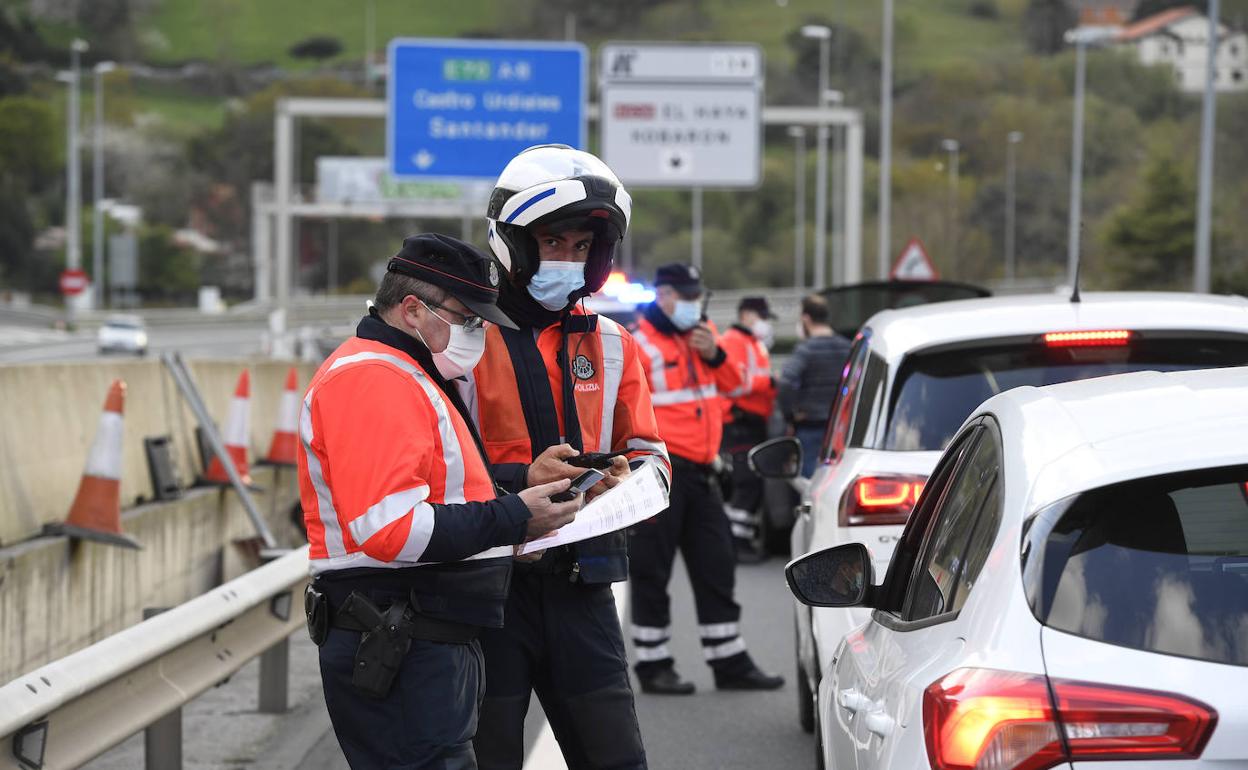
<point x="78" y="707"/>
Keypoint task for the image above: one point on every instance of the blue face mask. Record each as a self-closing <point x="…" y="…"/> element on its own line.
<point x="687" y="314"/>
<point x="554" y="281"/>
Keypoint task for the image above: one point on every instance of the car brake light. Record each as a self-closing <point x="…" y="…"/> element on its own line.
<point x="880" y="499"/>
<point x="1086" y="339"/>
<point x="980" y="719"/>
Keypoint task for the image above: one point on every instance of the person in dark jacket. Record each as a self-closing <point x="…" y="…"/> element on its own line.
<point x="810" y="378"/>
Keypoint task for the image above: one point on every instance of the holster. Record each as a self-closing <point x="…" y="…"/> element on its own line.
<point x="316" y="609"/>
<point x="382" y="646"/>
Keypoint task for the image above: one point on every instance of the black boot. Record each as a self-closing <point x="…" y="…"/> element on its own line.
<point x="664" y="681"/>
<point x="748" y="677"/>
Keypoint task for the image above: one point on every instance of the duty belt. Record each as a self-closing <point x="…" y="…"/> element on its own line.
<point x="422" y="626"/>
<point x="556" y="561"/>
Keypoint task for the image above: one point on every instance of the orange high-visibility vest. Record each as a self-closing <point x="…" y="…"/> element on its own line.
<point x="685" y="391"/>
<point x="379" y="444"/>
<point x="612" y="399"/>
<point x="756" y="394"/>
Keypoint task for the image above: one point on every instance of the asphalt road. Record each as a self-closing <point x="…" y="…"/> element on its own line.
<point x="33" y="346"/>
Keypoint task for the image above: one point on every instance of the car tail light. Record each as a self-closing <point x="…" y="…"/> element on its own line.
<point x="1088" y="339"/>
<point x="880" y="499"/>
<point x="979" y="719"/>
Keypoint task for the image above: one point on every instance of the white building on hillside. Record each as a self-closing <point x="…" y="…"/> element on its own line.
<point x="1179" y="38"/>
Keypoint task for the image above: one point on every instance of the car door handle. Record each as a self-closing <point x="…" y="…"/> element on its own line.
<point x="852" y="701"/>
<point x="879" y="723"/>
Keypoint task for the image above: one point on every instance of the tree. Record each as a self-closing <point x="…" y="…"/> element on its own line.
<point x="167" y="271"/>
<point x="1045" y="23"/>
<point x="1152" y="238"/>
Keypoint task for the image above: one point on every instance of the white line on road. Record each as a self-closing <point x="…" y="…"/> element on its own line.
<point x="545" y="754"/>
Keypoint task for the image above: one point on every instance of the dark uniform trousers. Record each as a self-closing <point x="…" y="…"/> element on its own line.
<point x="695" y="523"/>
<point x="428" y="719"/>
<point x="562" y="640"/>
<point x="740" y="436"/>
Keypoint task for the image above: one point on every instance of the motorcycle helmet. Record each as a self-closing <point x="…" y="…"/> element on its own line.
<point x="556" y="185"/>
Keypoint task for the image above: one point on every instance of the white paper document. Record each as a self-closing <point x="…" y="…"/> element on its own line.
<point x="639" y="496"/>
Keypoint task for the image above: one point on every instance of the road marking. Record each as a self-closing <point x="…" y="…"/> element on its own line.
<point x="545" y="754"/>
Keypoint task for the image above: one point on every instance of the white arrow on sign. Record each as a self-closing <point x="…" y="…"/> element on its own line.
<point x="423" y="159"/>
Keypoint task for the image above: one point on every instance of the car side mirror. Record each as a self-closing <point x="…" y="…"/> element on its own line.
<point x="833" y="577"/>
<point x="777" y="458"/>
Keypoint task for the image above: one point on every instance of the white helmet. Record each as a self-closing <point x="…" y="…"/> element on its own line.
<point x="555" y="183"/>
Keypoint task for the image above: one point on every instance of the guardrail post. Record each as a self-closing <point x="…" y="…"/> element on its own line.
<point x="162" y="739"/>
<point x="275" y="678"/>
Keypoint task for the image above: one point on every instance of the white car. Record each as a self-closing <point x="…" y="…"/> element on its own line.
<point x="915" y="374"/>
<point x="1072" y="587"/>
<point x="123" y="333"/>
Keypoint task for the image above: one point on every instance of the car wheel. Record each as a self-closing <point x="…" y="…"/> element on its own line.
<point x="805" y="698"/>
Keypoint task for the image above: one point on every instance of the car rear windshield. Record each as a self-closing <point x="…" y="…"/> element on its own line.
<point x="935" y="392"/>
<point x="1157" y="564"/>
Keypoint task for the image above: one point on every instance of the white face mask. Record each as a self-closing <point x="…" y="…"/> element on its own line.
<point x="762" y="332"/>
<point x="687" y="314"/>
<point x="463" y="350"/>
<point x="554" y="281"/>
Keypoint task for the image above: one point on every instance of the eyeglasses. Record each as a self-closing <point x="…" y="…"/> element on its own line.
<point x="470" y="322"/>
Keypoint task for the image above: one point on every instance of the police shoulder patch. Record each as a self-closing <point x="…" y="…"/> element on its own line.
<point x="583" y="368"/>
<point x="493" y="273"/>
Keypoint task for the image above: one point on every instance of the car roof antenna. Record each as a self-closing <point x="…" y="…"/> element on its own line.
<point x="1074" y="292"/>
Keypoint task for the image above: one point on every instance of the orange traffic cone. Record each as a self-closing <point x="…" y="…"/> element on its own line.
<point x="285" y="436"/>
<point x="96" y="511"/>
<point x="236" y="435"/>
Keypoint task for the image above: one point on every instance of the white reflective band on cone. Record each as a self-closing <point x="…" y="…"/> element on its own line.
<point x="104" y="461"/>
<point x="237" y="422"/>
<point x="288" y="413"/>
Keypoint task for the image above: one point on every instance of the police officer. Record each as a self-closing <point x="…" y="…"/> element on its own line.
<point x="566" y="383"/>
<point x="409" y="546"/>
<point x="688" y="370"/>
<point x="747" y="409"/>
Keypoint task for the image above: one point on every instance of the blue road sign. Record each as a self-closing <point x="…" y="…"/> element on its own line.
<point x="462" y="109"/>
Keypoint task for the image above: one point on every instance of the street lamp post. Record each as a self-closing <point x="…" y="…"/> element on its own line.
<point x="799" y="206"/>
<point x="952" y="147"/>
<point x="824" y="36"/>
<point x="1012" y="140"/>
<point x="1204" y="193"/>
<point x="835" y="98"/>
<point x="73" y="182"/>
<point x="97" y="185"/>
<point x="886" y="141"/>
<point x="1081" y="38"/>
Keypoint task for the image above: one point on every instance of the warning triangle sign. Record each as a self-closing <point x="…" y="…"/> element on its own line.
<point x="913" y="264"/>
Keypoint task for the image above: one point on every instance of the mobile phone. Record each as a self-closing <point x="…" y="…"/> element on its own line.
<point x="599" y="460"/>
<point x="580" y="484"/>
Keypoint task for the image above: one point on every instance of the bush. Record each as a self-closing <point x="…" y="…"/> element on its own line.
<point x="319" y="48"/>
<point x="984" y="9"/>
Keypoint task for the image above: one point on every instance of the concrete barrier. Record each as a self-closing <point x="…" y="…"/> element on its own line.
<point x="50" y="413"/>
<point x="58" y="596"/>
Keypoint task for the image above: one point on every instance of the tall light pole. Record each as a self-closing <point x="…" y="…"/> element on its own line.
<point x="824" y="36"/>
<point x="952" y="147"/>
<point x="1011" y="142"/>
<point x="799" y="206"/>
<point x="97" y="185"/>
<point x="1081" y="38"/>
<point x="835" y="98"/>
<point x="1204" y="194"/>
<point x="886" y="141"/>
<point x="73" y="182"/>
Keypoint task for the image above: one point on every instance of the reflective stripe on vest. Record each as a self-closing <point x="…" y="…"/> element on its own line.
<point x="612" y="373"/>
<point x="684" y="395"/>
<point x="658" y="367"/>
<point x="751" y="369"/>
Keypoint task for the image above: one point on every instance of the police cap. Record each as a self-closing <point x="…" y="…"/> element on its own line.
<point x="758" y="305"/>
<point x="685" y="279"/>
<point x="459" y="268"/>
